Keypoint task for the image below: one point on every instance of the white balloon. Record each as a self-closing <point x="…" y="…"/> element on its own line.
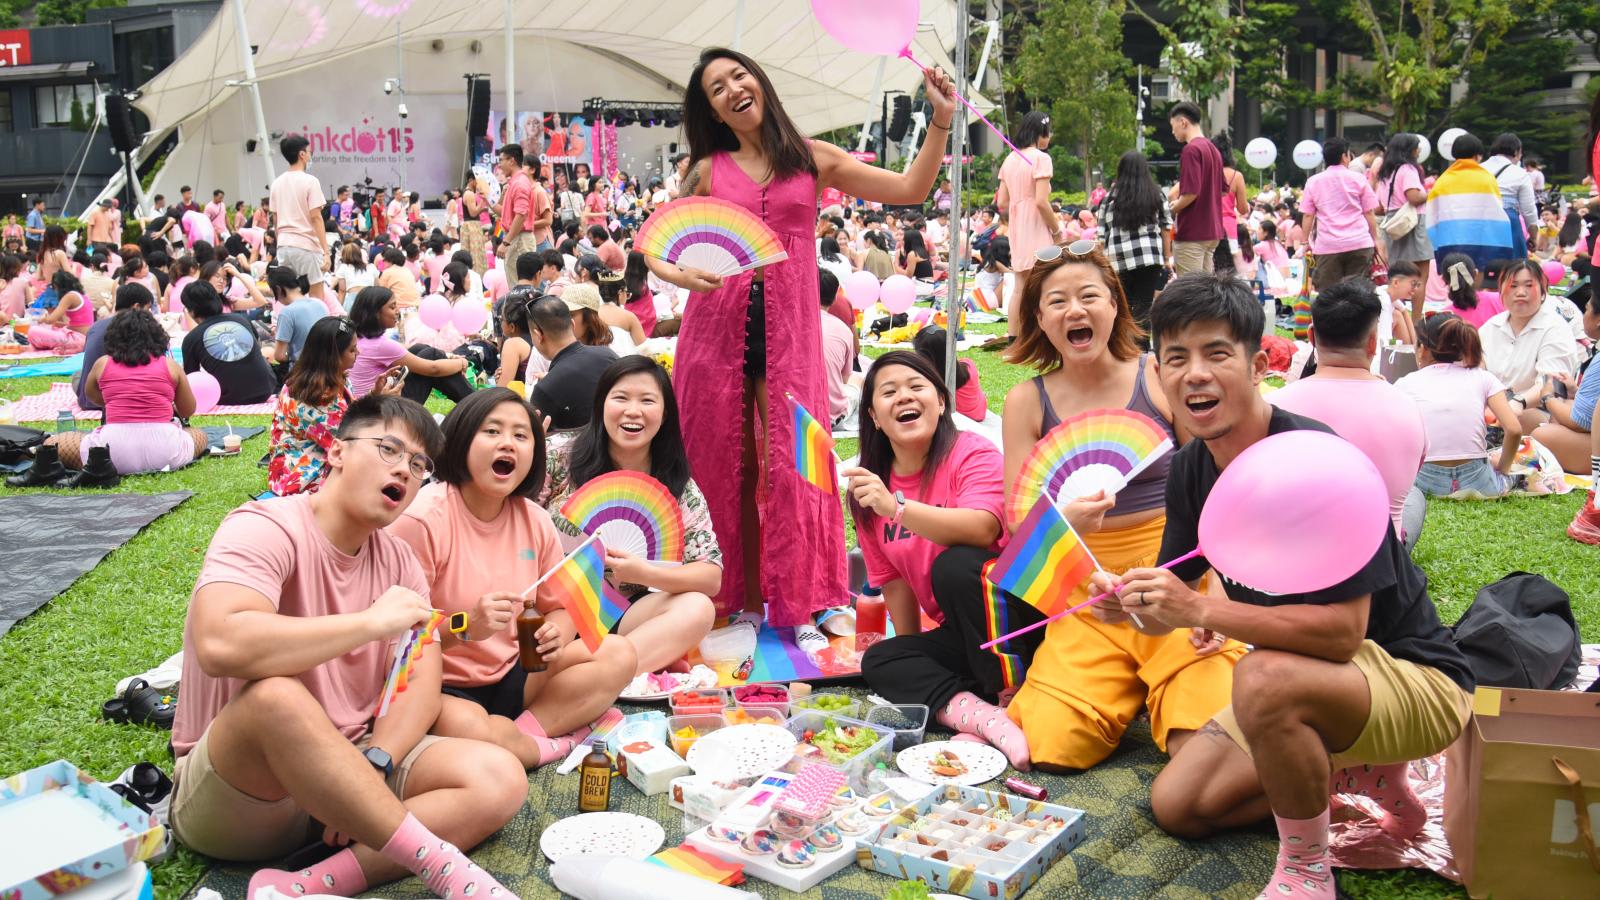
<point x="1425" y="150"/>
<point x="1260" y="152"/>
<point x="1447" y="142"/>
<point x="1308" y="154"/>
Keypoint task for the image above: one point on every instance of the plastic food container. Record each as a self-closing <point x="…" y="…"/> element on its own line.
<point x="685" y="730"/>
<point x="908" y="722"/>
<point x="774" y="695"/>
<point x="832" y="704"/>
<point x="754" y="715"/>
<point x="857" y="765"/>
<point x="699" y="701"/>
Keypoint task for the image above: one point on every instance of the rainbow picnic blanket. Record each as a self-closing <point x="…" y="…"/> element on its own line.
<point x="1465" y="215"/>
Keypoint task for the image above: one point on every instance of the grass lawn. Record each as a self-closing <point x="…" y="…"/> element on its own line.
<point x="58" y="665"/>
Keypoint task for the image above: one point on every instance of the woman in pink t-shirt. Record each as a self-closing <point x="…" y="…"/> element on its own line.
<point x="482" y="542"/>
<point x="1025" y="195"/>
<point x="970" y="401"/>
<point x="1463" y="281"/>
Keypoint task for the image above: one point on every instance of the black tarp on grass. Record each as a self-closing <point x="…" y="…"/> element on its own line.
<point x="48" y="540"/>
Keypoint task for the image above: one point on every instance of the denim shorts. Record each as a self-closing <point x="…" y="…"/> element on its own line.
<point x="1475" y="478"/>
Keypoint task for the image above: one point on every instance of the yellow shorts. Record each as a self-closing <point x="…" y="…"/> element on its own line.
<point x="1416" y="712"/>
<point x="1088" y="679"/>
<point x="213" y="817"/>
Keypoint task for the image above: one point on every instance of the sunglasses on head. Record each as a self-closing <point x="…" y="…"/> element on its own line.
<point x="1052" y="252"/>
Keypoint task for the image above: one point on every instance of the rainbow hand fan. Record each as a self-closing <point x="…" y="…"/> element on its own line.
<point x="631" y="512"/>
<point x="1102" y="449"/>
<point x="711" y="234"/>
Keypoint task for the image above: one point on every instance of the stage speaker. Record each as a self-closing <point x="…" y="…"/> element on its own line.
<point x="900" y="118"/>
<point x="119" y="119"/>
<point x="478" y="107"/>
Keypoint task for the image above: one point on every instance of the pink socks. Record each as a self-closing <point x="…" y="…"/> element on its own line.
<point x="339" y="875"/>
<point x="969" y="715"/>
<point x="550" y="748"/>
<point x="1390" y="787"/>
<point x="1302" y="869"/>
<point x="444" y="869"/>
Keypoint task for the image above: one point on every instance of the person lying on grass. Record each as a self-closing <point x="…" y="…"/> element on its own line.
<point x="482" y="541"/>
<point x="634" y="428"/>
<point x="291" y="632"/>
<point x="1345" y="685"/>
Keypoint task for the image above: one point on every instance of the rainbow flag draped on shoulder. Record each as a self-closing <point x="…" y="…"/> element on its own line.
<point x="1465" y="215"/>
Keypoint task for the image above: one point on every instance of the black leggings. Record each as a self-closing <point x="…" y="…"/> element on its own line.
<point x="934" y="666"/>
<point x="1140" y="285"/>
<point x="419" y="386"/>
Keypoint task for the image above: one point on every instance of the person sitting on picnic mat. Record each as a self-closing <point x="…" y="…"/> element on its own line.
<point x="634" y="427"/>
<point x="311" y="406"/>
<point x="375" y="313"/>
<point x="289" y="637"/>
<point x="62" y="329"/>
<point x="225" y="344"/>
<point x="1355" y="680"/>
<point x="482" y="542"/>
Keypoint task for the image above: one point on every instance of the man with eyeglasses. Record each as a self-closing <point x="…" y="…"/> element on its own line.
<point x="292" y="629"/>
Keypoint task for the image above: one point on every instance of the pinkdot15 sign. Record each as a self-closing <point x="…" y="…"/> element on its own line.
<point x="365" y="142"/>
<point x="16" y="48"/>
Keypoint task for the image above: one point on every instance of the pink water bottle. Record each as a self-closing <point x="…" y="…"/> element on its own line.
<point x="870" y="618"/>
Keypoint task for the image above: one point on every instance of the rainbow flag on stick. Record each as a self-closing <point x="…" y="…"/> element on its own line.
<point x="579" y="580"/>
<point x="813" y="448"/>
<point x="405" y="660"/>
<point x="1044" y="561"/>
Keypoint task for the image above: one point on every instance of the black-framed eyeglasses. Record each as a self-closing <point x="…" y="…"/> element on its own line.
<point x="390" y="452"/>
<point x="1052" y="252"/>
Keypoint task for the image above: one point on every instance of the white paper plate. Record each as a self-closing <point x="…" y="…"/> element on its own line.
<point x="984" y="763"/>
<point x="638" y="690"/>
<point x="604" y="834"/>
<point x="742" y="751"/>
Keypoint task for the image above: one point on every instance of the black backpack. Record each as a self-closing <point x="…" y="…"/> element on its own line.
<point x="1519" y="633"/>
<point x="16" y="441"/>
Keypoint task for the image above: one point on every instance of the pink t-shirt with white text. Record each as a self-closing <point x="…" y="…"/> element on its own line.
<point x="971" y="477"/>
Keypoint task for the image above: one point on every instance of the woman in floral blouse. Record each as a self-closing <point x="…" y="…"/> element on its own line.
<point x="311" y="406"/>
<point x="635" y="428"/>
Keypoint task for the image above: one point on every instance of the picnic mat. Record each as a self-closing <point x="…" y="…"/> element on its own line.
<point x="778" y="658"/>
<point x="214" y="436"/>
<point x="1125" y="854"/>
<point x="44" y="407"/>
<point x="29" y="354"/>
<point x="62" y="536"/>
<point x="72" y="365"/>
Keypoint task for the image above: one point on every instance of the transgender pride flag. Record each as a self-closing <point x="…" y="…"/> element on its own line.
<point x="1465" y="215"/>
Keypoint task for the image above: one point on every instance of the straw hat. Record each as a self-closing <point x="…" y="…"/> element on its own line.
<point x="581" y="296"/>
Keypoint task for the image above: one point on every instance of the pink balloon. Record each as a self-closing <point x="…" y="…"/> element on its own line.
<point x="1554" y="271"/>
<point x="434" y="311"/>
<point x="494" y="281"/>
<point x="862" y="289"/>
<point x="1299" y="511"/>
<point x="207" y="391"/>
<point x="881" y="27"/>
<point x="469" y="314"/>
<point x="899" y="293"/>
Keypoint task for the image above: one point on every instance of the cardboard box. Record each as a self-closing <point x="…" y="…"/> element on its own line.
<point x="62" y="830"/>
<point x="650" y="766"/>
<point x="703" y="796"/>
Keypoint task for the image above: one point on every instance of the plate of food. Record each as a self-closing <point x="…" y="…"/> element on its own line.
<point x="952" y="762"/>
<point x="653" y="686"/>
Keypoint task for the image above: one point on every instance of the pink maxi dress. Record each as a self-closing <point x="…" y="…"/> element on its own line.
<point x="803" y="557"/>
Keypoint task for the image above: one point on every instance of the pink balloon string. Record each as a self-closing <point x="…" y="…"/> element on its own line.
<point x="1089" y="602"/>
<point x="981" y="117"/>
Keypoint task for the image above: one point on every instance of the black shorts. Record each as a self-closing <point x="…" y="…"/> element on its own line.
<point x="755" y="332"/>
<point x="503" y="698"/>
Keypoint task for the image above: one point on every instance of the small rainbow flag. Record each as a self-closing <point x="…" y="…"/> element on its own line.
<point x="690" y="861"/>
<point x="813" y="449"/>
<point x="579" y="580"/>
<point x="997" y="624"/>
<point x="405" y="661"/>
<point x="1044" y="561"/>
<point x="985" y="300"/>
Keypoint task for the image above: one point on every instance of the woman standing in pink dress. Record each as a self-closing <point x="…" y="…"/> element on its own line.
<point x="752" y="340"/>
<point x="1025" y="195"/>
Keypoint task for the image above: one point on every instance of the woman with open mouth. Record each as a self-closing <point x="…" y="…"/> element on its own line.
<point x="1094" y="670"/>
<point x="482" y="541"/>
<point x="634" y="428"/>
<point x="753" y="339"/>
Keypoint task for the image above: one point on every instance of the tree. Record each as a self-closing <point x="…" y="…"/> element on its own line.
<point x="1497" y="97"/>
<point x="70" y="12"/>
<point x="1073" y="55"/>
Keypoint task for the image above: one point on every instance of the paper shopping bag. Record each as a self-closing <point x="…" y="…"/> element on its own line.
<point x="1522" y="795"/>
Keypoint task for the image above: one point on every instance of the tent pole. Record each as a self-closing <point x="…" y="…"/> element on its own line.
<point x="255" y="89"/>
<point x="511" y="75"/>
<point x="875" y="93"/>
<point x="738" y="25"/>
<point x="954" y="285"/>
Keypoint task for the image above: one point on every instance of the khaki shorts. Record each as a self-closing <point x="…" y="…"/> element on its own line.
<point x="1193" y="256"/>
<point x="213" y="817"/>
<point x="305" y="263"/>
<point x="1417" y="711"/>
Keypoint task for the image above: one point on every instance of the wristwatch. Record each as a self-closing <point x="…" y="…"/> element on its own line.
<point x="380" y="760"/>
<point x="458" y="626"/>
<point x="899" y="507"/>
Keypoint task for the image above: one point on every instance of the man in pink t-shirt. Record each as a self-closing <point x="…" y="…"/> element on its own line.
<point x="217" y="212"/>
<point x="297" y="202"/>
<point x="1340" y="218"/>
<point x="1359" y="406"/>
<point x="295" y="619"/>
<point x="516" y="206"/>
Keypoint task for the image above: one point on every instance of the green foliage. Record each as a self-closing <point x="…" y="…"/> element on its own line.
<point x="1203" y="42"/>
<point x="1496" y="99"/>
<point x="69" y="12"/>
<point x="153" y="169"/>
<point x="77" y="121"/>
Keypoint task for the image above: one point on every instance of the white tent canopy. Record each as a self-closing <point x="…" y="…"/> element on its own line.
<point x="338" y="52"/>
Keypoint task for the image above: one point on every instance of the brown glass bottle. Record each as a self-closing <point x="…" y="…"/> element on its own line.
<point x="528" y="624"/>
<point x="594" y="786"/>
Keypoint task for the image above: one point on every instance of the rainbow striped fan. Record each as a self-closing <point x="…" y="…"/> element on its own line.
<point x="1102" y="449"/>
<point x="711" y="234"/>
<point x="631" y="512"/>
